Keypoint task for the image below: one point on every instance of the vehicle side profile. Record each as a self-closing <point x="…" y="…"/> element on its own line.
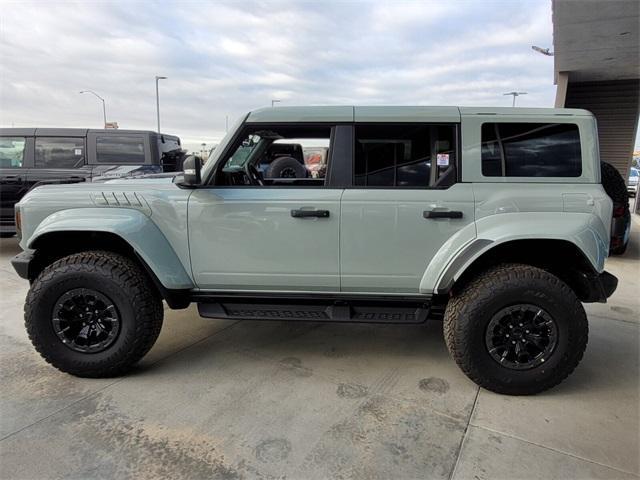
<point x="492" y="219"/>
<point x="632" y="182"/>
<point x="35" y="156"/>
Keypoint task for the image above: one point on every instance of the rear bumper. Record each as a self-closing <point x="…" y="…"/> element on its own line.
<point x="620" y="226"/>
<point x="22" y="262"/>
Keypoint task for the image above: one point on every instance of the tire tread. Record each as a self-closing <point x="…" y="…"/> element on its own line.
<point x="144" y="299"/>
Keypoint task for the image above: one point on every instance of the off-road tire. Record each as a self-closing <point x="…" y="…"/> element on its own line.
<point x="282" y="164"/>
<point x="469" y="312"/>
<point x="613" y="183"/>
<point x="122" y="281"/>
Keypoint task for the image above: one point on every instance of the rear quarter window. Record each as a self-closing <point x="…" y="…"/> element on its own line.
<point x="116" y="149"/>
<point x="531" y="150"/>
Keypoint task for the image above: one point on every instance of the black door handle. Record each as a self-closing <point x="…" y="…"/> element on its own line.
<point x="442" y="214"/>
<point x="310" y="213"/>
<point x="10" y="179"/>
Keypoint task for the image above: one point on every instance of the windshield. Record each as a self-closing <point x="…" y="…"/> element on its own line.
<point x="240" y="156"/>
<point x="215" y="154"/>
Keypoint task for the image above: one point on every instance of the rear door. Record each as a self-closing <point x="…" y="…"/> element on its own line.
<point x="404" y="204"/>
<point x="13" y="171"/>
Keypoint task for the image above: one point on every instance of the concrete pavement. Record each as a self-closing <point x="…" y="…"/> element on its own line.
<point x="223" y="399"/>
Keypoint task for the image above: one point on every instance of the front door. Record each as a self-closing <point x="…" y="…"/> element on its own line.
<point x="13" y="172"/>
<point x="270" y="221"/>
<point x="404" y="205"/>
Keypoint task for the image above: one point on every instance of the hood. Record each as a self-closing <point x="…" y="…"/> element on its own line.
<point x="157" y="179"/>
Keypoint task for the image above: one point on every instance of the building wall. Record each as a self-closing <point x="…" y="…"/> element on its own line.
<point x="616" y="105"/>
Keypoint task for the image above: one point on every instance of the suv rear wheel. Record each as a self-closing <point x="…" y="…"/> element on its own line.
<point x="93" y="314"/>
<point x="516" y="329"/>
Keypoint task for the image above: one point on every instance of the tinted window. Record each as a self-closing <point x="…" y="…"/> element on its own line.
<point x="57" y="152"/>
<point x="11" y="152"/>
<point x="120" y="149"/>
<point x="404" y="155"/>
<point x="531" y="150"/>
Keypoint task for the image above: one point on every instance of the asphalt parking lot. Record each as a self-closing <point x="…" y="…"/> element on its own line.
<point x="222" y="399"/>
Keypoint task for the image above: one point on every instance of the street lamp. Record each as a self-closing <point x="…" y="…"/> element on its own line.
<point x="158" y="100"/>
<point x="273" y="102"/>
<point x="515" y="94"/>
<point x="104" y="109"/>
<point x="543" y="51"/>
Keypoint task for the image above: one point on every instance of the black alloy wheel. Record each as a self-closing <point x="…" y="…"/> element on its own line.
<point x="85" y="320"/>
<point x="521" y="336"/>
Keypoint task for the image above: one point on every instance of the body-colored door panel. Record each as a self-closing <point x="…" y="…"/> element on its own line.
<point x="386" y="243"/>
<point x="247" y="239"/>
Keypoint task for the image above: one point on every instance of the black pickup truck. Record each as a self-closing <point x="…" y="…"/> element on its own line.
<point x="34" y="156"/>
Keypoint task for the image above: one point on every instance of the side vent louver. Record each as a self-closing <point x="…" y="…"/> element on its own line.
<point x="121" y="199"/>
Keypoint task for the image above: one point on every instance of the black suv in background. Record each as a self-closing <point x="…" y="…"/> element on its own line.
<point x="33" y="156"/>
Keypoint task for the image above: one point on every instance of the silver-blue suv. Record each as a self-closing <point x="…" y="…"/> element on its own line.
<point x="494" y="219"/>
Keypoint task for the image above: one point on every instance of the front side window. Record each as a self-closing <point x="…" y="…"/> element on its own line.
<point x="531" y="150"/>
<point x="12" y="152"/>
<point x="413" y="156"/>
<point x="115" y="149"/>
<point x="57" y="152"/>
<point x="279" y="156"/>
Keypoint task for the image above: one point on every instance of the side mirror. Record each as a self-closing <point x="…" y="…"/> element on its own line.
<point x="192" y="166"/>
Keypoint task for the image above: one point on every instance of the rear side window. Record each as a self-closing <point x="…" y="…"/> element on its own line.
<point x="12" y="152"/>
<point x="531" y="150"/>
<point x="411" y="156"/>
<point x="120" y="149"/>
<point x="57" y="152"/>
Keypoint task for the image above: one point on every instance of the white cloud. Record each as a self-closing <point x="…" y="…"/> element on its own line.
<point x="225" y="58"/>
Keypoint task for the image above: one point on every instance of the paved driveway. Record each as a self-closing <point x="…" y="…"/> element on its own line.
<point x="223" y="399"/>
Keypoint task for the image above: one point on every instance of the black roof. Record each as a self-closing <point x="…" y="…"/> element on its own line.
<point x="72" y="132"/>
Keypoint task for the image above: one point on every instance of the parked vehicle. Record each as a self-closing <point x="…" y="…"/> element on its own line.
<point x="614" y="185"/>
<point x="632" y="183"/>
<point x="34" y="156"/>
<point x="494" y="219"/>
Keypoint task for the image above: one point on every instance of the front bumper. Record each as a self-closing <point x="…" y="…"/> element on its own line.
<point x="22" y="261"/>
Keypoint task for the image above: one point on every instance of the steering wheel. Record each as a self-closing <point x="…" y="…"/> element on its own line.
<point x="254" y="175"/>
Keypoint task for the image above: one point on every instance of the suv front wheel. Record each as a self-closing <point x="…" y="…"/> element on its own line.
<point x="516" y="329"/>
<point x="93" y="314"/>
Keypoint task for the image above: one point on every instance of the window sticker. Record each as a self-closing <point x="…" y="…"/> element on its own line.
<point x="442" y="160"/>
<point x="78" y="151"/>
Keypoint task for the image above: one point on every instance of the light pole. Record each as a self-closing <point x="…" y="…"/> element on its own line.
<point x="273" y="102"/>
<point x="515" y="94"/>
<point x="104" y="109"/>
<point x="543" y="51"/>
<point x="158" y="100"/>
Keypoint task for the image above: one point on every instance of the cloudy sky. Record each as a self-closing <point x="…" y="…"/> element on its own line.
<point x="225" y="58"/>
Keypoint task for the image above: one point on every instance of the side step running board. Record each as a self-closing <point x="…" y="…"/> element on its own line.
<point x="335" y="312"/>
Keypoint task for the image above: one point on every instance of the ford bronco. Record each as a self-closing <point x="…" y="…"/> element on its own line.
<point x="492" y="219"/>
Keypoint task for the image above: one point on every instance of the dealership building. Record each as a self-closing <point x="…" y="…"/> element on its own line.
<point x="597" y="67"/>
